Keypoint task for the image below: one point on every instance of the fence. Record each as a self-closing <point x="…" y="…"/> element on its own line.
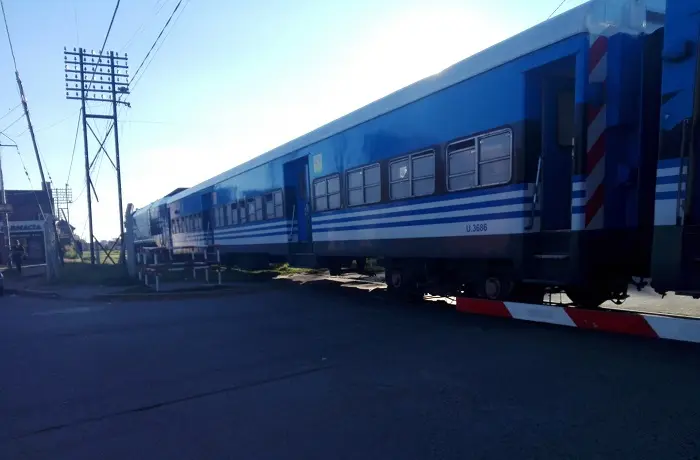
<point x="155" y="262"/>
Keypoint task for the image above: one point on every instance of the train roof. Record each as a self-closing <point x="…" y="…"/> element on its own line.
<point x="161" y="200"/>
<point x="588" y="17"/>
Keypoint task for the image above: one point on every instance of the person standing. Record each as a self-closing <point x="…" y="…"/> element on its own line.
<point x="18" y="255"/>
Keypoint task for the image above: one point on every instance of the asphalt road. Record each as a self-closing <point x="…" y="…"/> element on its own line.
<point x="307" y="374"/>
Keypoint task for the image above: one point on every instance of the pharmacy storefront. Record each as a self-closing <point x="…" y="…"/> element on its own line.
<point x="31" y="235"/>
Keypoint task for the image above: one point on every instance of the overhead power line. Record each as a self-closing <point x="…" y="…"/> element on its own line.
<point x="138" y="69"/>
<point x="557" y="9"/>
<point x="109" y="29"/>
<point x="10" y="111"/>
<point x="75" y="143"/>
<point x="23" y="99"/>
<point x="7" y="29"/>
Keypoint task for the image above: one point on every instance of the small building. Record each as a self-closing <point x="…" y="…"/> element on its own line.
<point x="27" y="223"/>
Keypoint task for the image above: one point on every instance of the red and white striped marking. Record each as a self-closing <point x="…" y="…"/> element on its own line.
<point x="653" y="326"/>
<point x="596" y="138"/>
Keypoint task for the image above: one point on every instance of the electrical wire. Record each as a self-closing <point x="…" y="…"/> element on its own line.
<point x="13" y="123"/>
<point x="135" y="81"/>
<point x="145" y="58"/>
<point x="7" y="29"/>
<point x="75" y="143"/>
<point x="111" y="23"/>
<point x="156" y="41"/>
<point x="557" y="9"/>
<point x="14" y="61"/>
<point x="26" y="173"/>
<point x="160" y="4"/>
<point x="11" y="110"/>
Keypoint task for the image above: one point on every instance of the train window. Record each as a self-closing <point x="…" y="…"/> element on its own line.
<point x="479" y="162"/>
<point x="494" y="159"/>
<point x="279" y="206"/>
<point x="423" y="174"/>
<point x="258" y="208"/>
<point x="242" y="212"/>
<point x="220" y="216"/>
<point x="363" y="186"/>
<point x="462" y="169"/>
<point x="412" y="176"/>
<point x="233" y="215"/>
<point x="273" y="205"/>
<point x="327" y="193"/>
<point x="399" y="180"/>
<point x="251" y="210"/>
<point x="270" y="206"/>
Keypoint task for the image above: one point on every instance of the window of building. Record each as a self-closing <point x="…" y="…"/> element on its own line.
<point x="327" y="193"/>
<point x="479" y="162"/>
<point x="413" y="175"/>
<point x="364" y="185"/>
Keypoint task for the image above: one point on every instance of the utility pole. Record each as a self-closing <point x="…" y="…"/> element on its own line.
<point x="5" y="209"/>
<point x="113" y="80"/>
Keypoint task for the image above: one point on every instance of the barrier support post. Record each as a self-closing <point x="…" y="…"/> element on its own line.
<point x="206" y="266"/>
<point x="218" y="264"/>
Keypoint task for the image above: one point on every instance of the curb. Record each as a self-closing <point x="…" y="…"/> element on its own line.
<point x="33" y="293"/>
<point x="639" y="324"/>
<point x="172" y="295"/>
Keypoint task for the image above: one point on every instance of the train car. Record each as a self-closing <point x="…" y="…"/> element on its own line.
<point x="152" y="223"/>
<point x="676" y="255"/>
<point x="517" y="170"/>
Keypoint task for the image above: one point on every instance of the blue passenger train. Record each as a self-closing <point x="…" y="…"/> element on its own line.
<point x="526" y="167"/>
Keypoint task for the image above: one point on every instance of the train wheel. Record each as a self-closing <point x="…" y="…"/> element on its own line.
<point x="587" y="298"/>
<point x="495" y="288"/>
<point x="402" y="284"/>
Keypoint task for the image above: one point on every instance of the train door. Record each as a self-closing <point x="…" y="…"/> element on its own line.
<point x="556" y="168"/>
<point x="675" y="264"/>
<point x="207" y="216"/>
<point x="296" y="178"/>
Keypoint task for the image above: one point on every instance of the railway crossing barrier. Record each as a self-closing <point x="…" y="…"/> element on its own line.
<point x="621" y="322"/>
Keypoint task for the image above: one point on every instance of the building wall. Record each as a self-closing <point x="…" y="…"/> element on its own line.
<point x="26" y="204"/>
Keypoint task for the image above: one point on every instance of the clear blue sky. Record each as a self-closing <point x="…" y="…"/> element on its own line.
<point x="232" y="80"/>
